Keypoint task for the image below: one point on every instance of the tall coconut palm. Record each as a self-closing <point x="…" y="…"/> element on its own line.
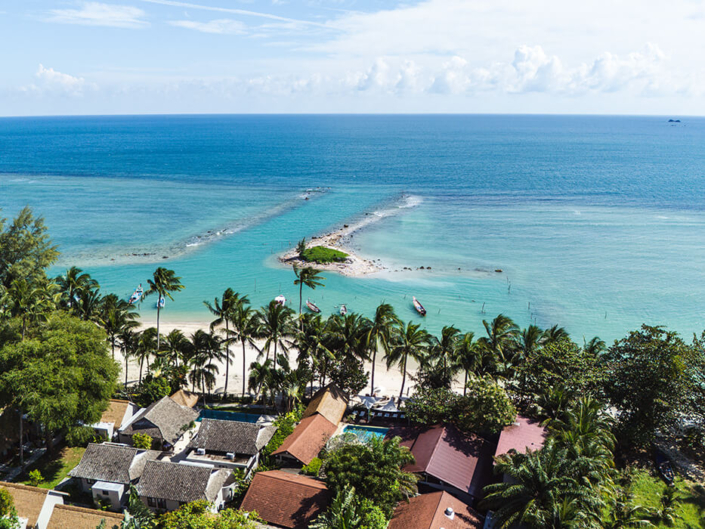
<point x="146" y="347"/>
<point x="116" y="315"/>
<point x="88" y="305"/>
<point x="73" y="284"/>
<point x="163" y="283"/>
<point x="311" y="342"/>
<point x="29" y="302"/>
<point x="207" y="351"/>
<point x="224" y="311"/>
<point x="259" y="373"/>
<point x="529" y="341"/>
<point x="129" y="342"/>
<point x="276" y="326"/>
<point x="500" y="340"/>
<point x="246" y="328"/>
<point x="467" y="356"/>
<point x="379" y="331"/>
<point x="346" y="335"/>
<point x="307" y="276"/>
<point x="555" y="334"/>
<point x="407" y="341"/>
<point x="442" y="352"/>
<point x="176" y="347"/>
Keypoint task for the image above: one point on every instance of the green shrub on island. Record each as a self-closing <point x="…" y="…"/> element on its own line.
<point x="323" y="255"/>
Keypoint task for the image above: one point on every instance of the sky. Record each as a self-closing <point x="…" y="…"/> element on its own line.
<point x="352" y="56"/>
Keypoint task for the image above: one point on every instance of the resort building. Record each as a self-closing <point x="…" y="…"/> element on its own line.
<point x="447" y="459"/>
<point x="167" y="486"/>
<point x="185" y="398"/>
<point x="34" y="505"/>
<point x="522" y="435"/>
<point x="70" y="517"/>
<point x="306" y="441"/>
<point x="107" y="470"/>
<point x="165" y="421"/>
<point x="331" y="402"/>
<point x="119" y="412"/>
<point x="438" y="510"/>
<point x="229" y="444"/>
<point x="286" y="500"/>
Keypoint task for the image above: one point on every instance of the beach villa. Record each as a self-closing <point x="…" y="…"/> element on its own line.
<point x="165" y="421"/>
<point x="119" y="413"/>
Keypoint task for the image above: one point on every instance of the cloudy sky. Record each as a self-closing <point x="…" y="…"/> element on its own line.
<point x="225" y="56"/>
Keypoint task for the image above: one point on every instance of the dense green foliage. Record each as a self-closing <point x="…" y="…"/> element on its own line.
<point x="197" y="515"/>
<point x="285" y="425"/>
<point x="142" y="440"/>
<point x="322" y="255"/>
<point x="313" y="468"/>
<point x="374" y="470"/>
<point x="348" y="511"/>
<point x="8" y="514"/>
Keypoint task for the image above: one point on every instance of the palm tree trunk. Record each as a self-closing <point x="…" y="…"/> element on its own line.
<point x="21" y="441"/>
<point x="112" y="345"/>
<point x="141" y="364"/>
<point x="301" y="297"/>
<point x="276" y="342"/>
<point x="244" y="369"/>
<point x="372" y="379"/>
<point x="126" y="367"/>
<point x="158" y="312"/>
<point x="465" y="386"/>
<point x="403" y="378"/>
<point x="227" y="362"/>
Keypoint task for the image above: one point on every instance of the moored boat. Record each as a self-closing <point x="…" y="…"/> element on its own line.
<point x="419" y="307"/>
<point x="281" y="300"/>
<point x="161" y="302"/>
<point x="312" y="306"/>
<point x="343" y="310"/>
<point x="136" y="295"/>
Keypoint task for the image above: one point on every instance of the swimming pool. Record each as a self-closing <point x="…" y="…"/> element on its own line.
<point x="365" y="433"/>
<point x="228" y="416"/>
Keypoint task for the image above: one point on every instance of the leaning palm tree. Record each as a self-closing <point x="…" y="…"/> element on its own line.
<point x="379" y="332"/>
<point x="407" y="341"/>
<point x="307" y="276"/>
<point x="163" y="283"/>
<point x="276" y="326"/>
<point x="246" y="328"/>
<point x="224" y="311"/>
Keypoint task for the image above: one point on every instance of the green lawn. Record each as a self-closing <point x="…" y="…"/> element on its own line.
<point x="647" y="491"/>
<point x="56" y="468"/>
<point x="322" y="255"/>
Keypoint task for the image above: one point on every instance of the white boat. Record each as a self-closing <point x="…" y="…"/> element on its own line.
<point x="136" y="295"/>
<point x="281" y="300"/>
<point x="343" y="310"/>
<point x="312" y="306"/>
<point x="419" y="307"/>
<point x="161" y="302"/>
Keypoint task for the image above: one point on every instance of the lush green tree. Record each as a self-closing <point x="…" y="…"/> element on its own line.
<point x="163" y="283"/>
<point x="378" y="336"/>
<point x="276" y="327"/>
<point x="8" y="513"/>
<point x="28" y="301"/>
<point x="468" y="357"/>
<point x="311" y="342"/>
<point x="485" y="408"/>
<point x="650" y="375"/>
<point x="61" y="376"/>
<point x="224" y="311"/>
<point x="407" y="341"/>
<point x="153" y="389"/>
<point x="176" y="348"/>
<point x="500" y="341"/>
<point x="285" y="426"/>
<point x="72" y="284"/>
<point x="146" y="347"/>
<point x="207" y="352"/>
<point x="142" y="440"/>
<point x="26" y="250"/>
<point x="374" y="469"/>
<point x="431" y="406"/>
<point x="347" y="511"/>
<point x="348" y="373"/>
<point x="198" y="515"/>
<point x="309" y="277"/>
<point x="440" y="365"/>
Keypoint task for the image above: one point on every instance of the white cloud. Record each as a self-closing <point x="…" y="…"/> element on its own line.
<point x="52" y="82"/>
<point x="97" y="14"/>
<point x="220" y="26"/>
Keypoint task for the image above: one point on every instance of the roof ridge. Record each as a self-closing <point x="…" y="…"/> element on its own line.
<point x="305" y="480"/>
<point x="435" y="511"/>
<point x="74" y="508"/>
<point x="22" y="486"/>
<point x="436" y="445"/>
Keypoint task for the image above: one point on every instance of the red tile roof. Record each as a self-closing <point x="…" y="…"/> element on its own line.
<point x="463" y="461"/>
<point x="524" y="433"/>
<point x="428" y="512"/>
<point x="308" y="438"/>
<point x="286" y="500"/>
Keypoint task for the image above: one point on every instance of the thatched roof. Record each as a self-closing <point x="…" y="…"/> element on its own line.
<point x="164" y="420"/>
<point x="70" y="517"/>
<point x="184" y="483"/>
<point x="113" y="463"/>
<point x="185" y="398"/>
<point x="115" y="412"/>
<point x="232" y="436"/>
<point x="331" y="402"/>
<point x="28" y="500"/>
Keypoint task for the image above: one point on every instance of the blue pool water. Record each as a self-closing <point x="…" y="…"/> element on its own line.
<point x="365" y="433"/>
<point x="228" y="416"/>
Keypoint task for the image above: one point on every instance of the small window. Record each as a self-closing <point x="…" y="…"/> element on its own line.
<point x="150" y="502"/>
<point x="161" y="503"/>
<point x="104" y="492"/>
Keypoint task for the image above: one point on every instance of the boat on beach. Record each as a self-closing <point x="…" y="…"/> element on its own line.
<point x="161" y="302"/>
<point x="136" y="295"/>
<point x="312" y="306"/>
<point x="281" y="300"/>
<point x="419" y="307"/>
<point x="343" y="310"/>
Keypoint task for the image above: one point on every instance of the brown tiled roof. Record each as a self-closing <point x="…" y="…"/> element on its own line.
<point x="70" y="517"/>
<point x="185" y="398"/>
<point x="184" y="483"/>
<point x="308" y="438"/>
<point x="428" y="512"/>
<point x="461" y="460"/>
<point x="232" y="436"/>
<point x="115" y="412"/>
<point x="28" y="500"/>
<point x="331" y="402"/>
<point x="524" y="433"/>
<point x="286" y="500"/>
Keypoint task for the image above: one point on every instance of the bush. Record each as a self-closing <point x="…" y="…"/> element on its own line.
<point x="323" y="255"/>
<point x="152" y="390"/>
<point x="313" y="468"/>
<point x="35" y="478"/>
<point x="285" y="425"/>
<point x="142" y="440"/>
<point x="81" y="436"/>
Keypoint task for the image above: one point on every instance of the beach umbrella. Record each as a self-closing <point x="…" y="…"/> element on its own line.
<point x="368" y="402"/>
<point x="390" y="406"/>
<point x="379" y="389"/>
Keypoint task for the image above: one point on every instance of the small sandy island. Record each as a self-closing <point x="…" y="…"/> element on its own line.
<point x="353" y="265"/>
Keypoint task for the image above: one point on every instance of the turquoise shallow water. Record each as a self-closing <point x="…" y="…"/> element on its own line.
<point x="597" y="223"/>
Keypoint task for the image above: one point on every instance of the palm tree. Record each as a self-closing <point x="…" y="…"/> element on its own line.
<point x="246" y="328"/>
<point x="146" y="347"/>
<point x="346" y="335"/>
<point x="116" y="315"/>
<point x="624" y="514"/>
<point x="307" y="276"/>
<point x="207" y="351"/>
<point x="410" y="341"/>
<point x="163" y="283"/>
<point x="379" y="331"/>
<point x="89" y="305"/>
<point x="535" y="486"/>
<point x="129" y="340"/>
<point x="501" y="338"/>
<point x="29" y="302"/>
<point x="442" y="352"/>
<point x="529" y="341"/>
<point x="276" y="325"/>
<point x="594" y="347"/>
<point x="259" y="373"/>
<point x="342" y="513"/>
<point x="466" y="356"/>
<point x="224" y="311"/>
<point x="555" y="334"/>
<point x="175" y="347"/>
<point x="73" y="284"/>
<point x="311" y="341"/>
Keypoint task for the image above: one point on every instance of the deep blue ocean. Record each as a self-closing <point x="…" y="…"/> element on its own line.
<point x="597" y="223"/>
